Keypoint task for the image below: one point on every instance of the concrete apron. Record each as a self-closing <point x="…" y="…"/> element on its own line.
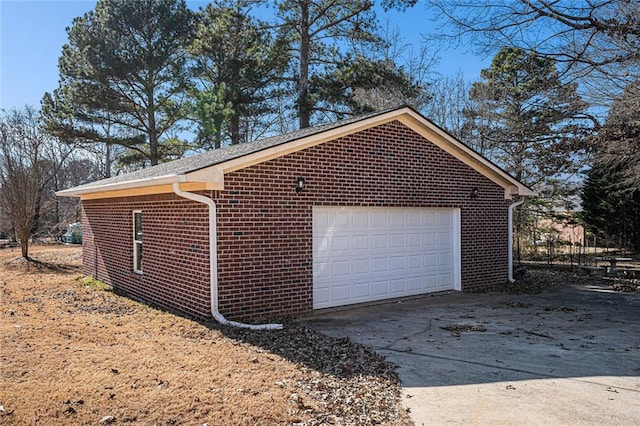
<point x="568" y="356"/>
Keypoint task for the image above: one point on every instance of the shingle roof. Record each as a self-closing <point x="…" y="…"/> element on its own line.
<point x="217" y="156"/>
<point x="174" y="171"/>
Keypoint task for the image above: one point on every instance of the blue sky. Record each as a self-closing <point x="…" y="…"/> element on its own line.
<point x="32" y="33"/>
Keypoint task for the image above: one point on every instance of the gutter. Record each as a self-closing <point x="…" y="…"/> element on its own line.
<point x="512" y="206"/>
<point x="137" y="183"/>
<point x="213" y="260"/>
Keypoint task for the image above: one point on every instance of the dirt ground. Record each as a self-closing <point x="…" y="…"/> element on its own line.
<point x="72" y="352"/>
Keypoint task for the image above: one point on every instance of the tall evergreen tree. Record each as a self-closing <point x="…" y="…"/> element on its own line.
<point x="526" y="119"/>
<point x="609" y="210"/>
<point x="362" y="85"/>
<point x="238" y="66"/>
<point x="314" y="29"/>
<point x="619" y="139"/>
<point x="596" y="42"/>
<point x="124" y="68"/>
<point x="531" y="124"/>
<point x="611" y="193"/>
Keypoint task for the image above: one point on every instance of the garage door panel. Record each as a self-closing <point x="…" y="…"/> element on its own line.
<point x="398" y="286"/>
<point x="429" y="239"/>
<point x="341" y="268"/>
<point x="429" y="218"/>
<point x="342" y="293"/>
<point x="365" y="254"/>
<point x="321" y="218"/>
<point x="379" y="241"/>
<point x="414" y="285"/>
<point x="340" y="219"/>
<point x="321" y="270"/>
<point x="361" y="290"/>
<point x="445" y="238"/>
<point x="360" y="219"/>
<point x="413" y="219"/>
<point x="429" y="260"/>
<point x="361" y="266"/>
<point x="445" y="281"/>
<point x="321" y="295"/>
<point x="414" y="261"/>
<point x="397" y="218"/>
<point x="445" y="259"/>
<point x="430" y="283"/>
<point x="321" y="244"/>
<point x="444" y="219"/>
<point x="377" y="219"/>
<point x="360" y="242"/>
<point x="413" y="240"/>
<point x="380" y="288"/>
<point x="397" y="240"/>
<point x="397" y="263"/>
<point x="340" y="243"/>
<point x="380" y="264"/>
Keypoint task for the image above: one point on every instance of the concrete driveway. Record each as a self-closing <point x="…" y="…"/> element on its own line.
<point x="568" y="356"/>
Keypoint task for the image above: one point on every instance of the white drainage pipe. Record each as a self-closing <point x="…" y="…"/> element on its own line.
<point x="213" y="261"/>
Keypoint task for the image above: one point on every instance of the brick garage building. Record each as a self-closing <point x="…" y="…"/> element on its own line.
<point x="377" y="207"/>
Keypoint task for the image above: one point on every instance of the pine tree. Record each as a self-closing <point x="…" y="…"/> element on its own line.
<point x="238" y="67"/>
<point x="526" y="119"/>
<point x="313" y="30"/>
<point x="611" y="193"/>
<point x="124" y="69"/>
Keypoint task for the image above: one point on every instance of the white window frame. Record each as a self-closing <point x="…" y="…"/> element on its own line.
<point x="137" y="244"/>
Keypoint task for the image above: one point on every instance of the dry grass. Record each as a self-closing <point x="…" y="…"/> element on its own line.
<point x="73" y="353"/>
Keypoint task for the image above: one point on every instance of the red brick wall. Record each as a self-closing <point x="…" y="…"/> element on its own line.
<point x="175" y="247"/>
<point x="264" y="227"/>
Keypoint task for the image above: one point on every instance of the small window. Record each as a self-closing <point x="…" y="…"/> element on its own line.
<point x="137" y="241"/>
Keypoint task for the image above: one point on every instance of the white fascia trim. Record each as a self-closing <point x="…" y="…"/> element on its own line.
<point x="207" y="175"/>
<point x="138" y="183"/>
<point x="211" y="174"/>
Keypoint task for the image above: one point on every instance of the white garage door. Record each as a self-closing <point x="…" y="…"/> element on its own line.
<point x="367" y="254"/>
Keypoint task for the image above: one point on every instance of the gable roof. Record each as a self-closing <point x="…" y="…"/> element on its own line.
<point x="206" y="171"/>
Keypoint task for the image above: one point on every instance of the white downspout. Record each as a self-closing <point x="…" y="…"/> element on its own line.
<point x="213" y="261"/>
<point x="512" y="206"/>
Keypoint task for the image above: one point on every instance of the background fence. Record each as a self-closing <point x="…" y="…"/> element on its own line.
<point x="565" y="255"/>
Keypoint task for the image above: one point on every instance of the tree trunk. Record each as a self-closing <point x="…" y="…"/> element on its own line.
<point x="107" y="162"/>
<point x="56" y="188"/>
<point x="154" y="157"/>
<point x="235" y="128"/>
<point x="304" y="104"/>
<point x="24" y="247"/>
